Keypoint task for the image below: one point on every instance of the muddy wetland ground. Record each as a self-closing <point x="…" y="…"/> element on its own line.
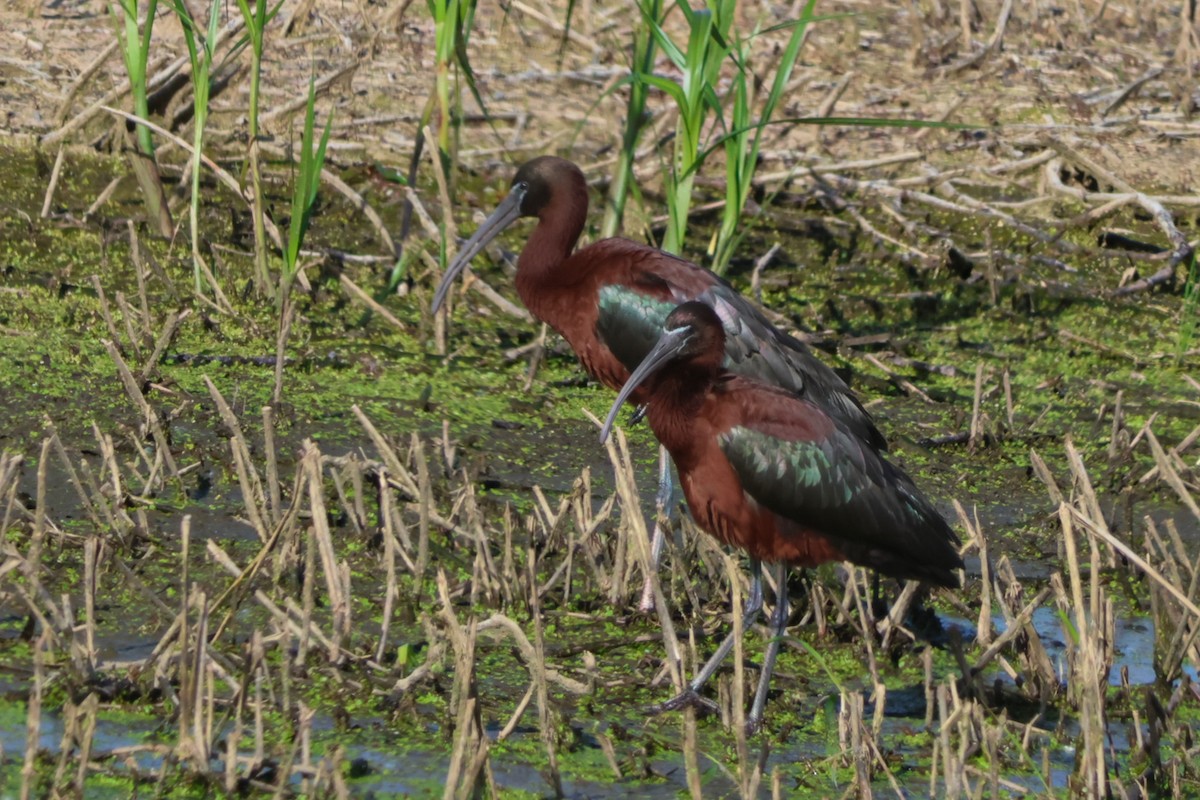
<point x="268" y="528"/>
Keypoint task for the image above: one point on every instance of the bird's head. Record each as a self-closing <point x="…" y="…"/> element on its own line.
<point x="541" y="184"/>
<point x="692" y="344"/>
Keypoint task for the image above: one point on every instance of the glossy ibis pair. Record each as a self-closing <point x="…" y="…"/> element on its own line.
<point x="609" y="300"/>
<point x="774" y="452"/>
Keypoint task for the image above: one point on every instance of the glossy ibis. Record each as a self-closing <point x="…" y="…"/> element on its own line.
<point x="778" y="476"/>
<point x="609" y="301"/>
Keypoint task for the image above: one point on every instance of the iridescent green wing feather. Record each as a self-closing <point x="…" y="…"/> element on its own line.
<point x="630" y="322"/>
<point x="836" y="486"/>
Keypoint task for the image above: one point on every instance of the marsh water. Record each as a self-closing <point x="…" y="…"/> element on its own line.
<point x="1056" y="356"/>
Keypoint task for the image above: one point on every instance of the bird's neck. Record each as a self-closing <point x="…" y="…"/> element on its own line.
<point x="551" y="243"/>
<point x="676" y="404"/>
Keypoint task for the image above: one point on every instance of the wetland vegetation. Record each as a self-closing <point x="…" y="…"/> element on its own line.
<point x="269" y="528"/>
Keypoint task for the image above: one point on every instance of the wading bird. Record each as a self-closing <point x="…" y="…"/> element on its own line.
<point x="778" y="476"/>
<point x="609" y="301"/>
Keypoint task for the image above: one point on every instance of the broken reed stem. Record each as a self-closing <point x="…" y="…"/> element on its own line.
<point x="336" y="576"/>
<point x="1085" y="682"/>
<point x="55" y="172"/>
<point x="251" y="485"/>
<point x="425" y="497"/>
<point x="287" y="312"/>
<point x="149" y="415"/>
<point x="540" y="677"/>
<point x="390" y="548"/>
<point x="530" y="656"/>
<point x="33" y="717"/>
<point x="397" y="472"/>
<point x="634" y="528"/>
<point x="273" y="492"/>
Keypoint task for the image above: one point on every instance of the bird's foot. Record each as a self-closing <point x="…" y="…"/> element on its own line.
<point x="753" y="725"/>
<point x="689" y="697"/>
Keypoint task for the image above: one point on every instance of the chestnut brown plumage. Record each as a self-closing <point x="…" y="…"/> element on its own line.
<point x="777" y="475"/>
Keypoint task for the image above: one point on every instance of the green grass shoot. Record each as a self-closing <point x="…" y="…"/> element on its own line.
<point x="304" y="193"/>
<point x="645" y="51"/>
<point x="745" y="138"/>
<point x="135" y="51"/>
<point x="452" y="23"/>
<point x="256" y="20"/>
<point x="700" y="61"/>
<point x="200" y="53"/>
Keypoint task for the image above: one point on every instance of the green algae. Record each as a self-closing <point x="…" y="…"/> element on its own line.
<point x="510" y="439"/>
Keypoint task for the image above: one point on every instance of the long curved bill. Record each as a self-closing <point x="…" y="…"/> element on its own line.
<point x="668" y="346"/>
<point x="508" y="212"/>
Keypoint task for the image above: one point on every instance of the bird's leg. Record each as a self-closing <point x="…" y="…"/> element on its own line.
<point x="754" y="604"/>
<point x="664" y="509"/>
<point x="779" y="620"/>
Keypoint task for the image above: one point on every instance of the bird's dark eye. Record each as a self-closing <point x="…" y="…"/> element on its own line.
<point x="533" y="198"/>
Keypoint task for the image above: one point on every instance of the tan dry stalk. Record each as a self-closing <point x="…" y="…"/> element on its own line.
<point x="894" y="621"/>
<point x="88" y="711"/>
<point x="856" y="584"/>
<point x="202" y="700"/>
<point x="519" y="712"/>
<point x="1086" y="663"/>
<point x="983" y="634"/>
<point x="462" y="705"/>
<point x="485" y="578"/>
<point x="251" y="485"/>
<point x="633" y="527"/>
<point x="425" y="497"/>
<point x="40" y="520"/>
<point x="149" y="415"/>
<point x="237" y="589"/>
<point x="1015" y="627"/>
<point x="950" y="775"/>
<point x="397" y="471"/>
<point x="349" y="470"/>
<point x="975" y="439"/>
<point x="110" y="465"/>
<point x="436" y="651"/>
<point x="541" y="678"/>
<point x="166" y="335"/>
<point x="139" y="270"/>
<point x="307" y="593"/>
<point x="66" y="745"/>
<point x="128" y="315"/>
<point x="1041" y="676"/>
<point x="850" y="731"/>
<point x="286" y="315"/>
<point x="85" y="496"/>
<point x="390" y="548"/>
<point x="105" y="311"/>
<point x="91" y="558"/>
<point x="276" y="507"/>
<point x="336" y="580"/>
<point x="33" y="716"/>
<point x="511" y="581"/>
<point x="1127" y="551"/>
<point x="1171" y="475"/>
<point x="259" y="676"/>
<point x="304" y="735"/>
<point x="691" y="754"/>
